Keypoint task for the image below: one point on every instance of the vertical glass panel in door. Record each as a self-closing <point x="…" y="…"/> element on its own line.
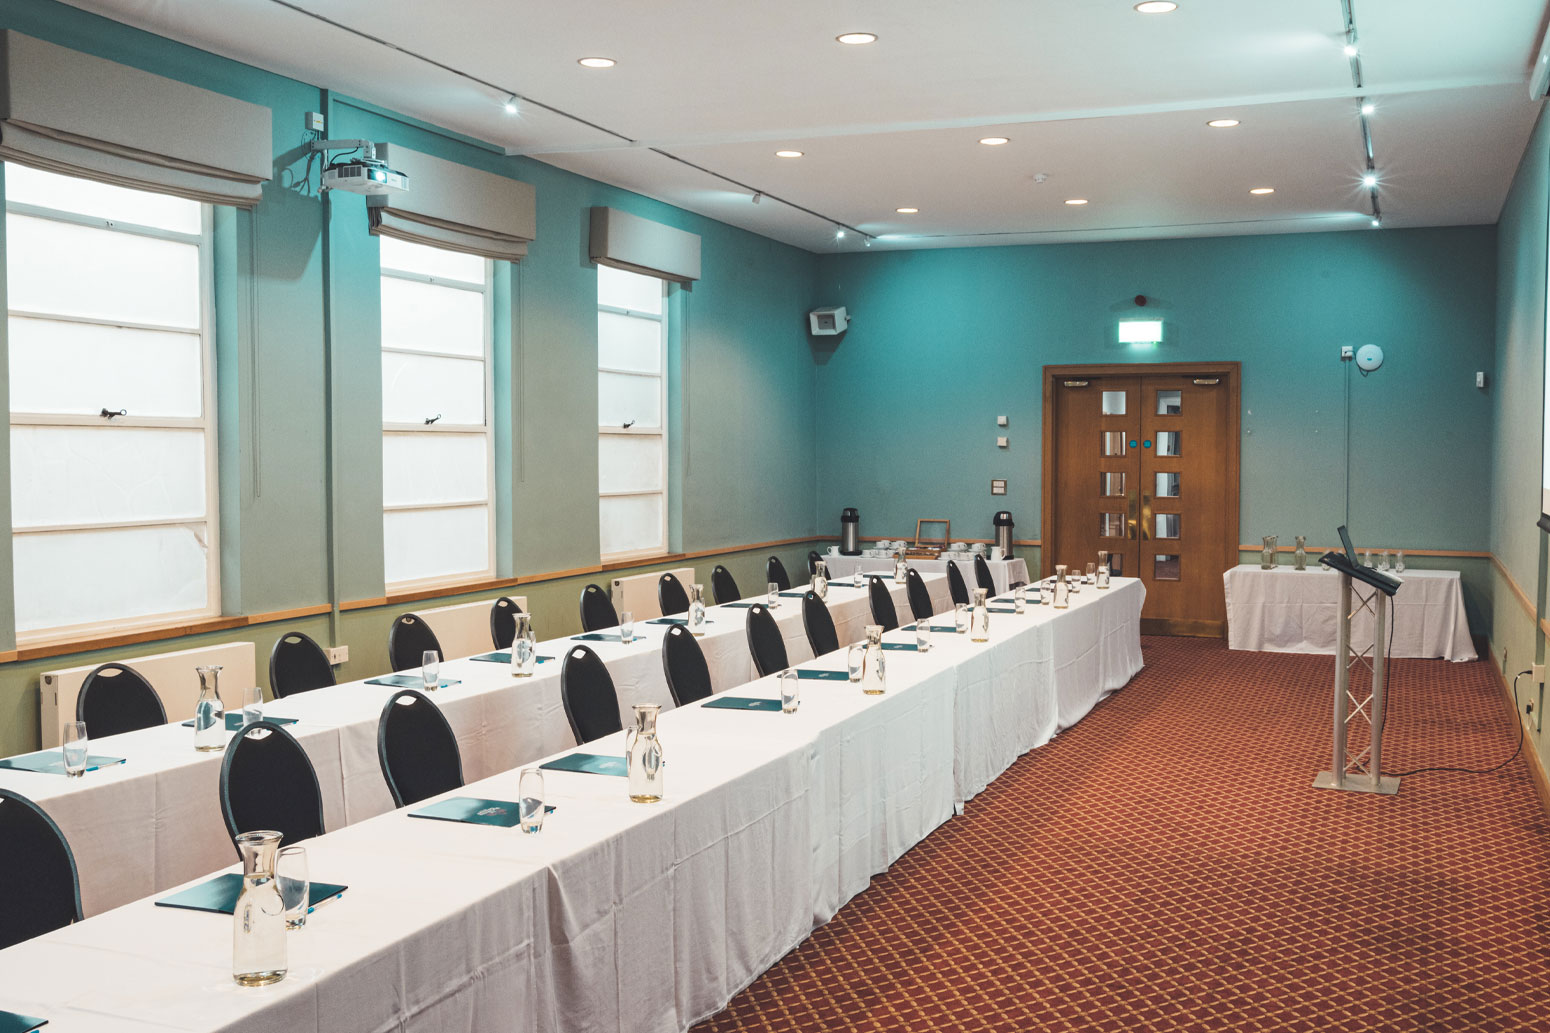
<point x="1113" y="442"/>
<point x="426" y="543"/>
<point x="433" y="467"/>
<point x="59" y="366"/>
<point x="629" y="462"/>
<point x="1111" y="525"/>
<point x="1166" y="567"/>
<point x="624" y="399"/>
<point x="1114" y="403"/>
<point x="1167" y="525"/>
<point x="630" y="523"/>
<point x="1111" y="484"/>
<point x="1167" y="485"/>
<point x="78" y="475"/>
<point x="1168" y="443"/>
<point x="86" y="577"/>
<point x="430" y="317"/>
<point x="1170" y="403"/>
<point x="633" y="291"/>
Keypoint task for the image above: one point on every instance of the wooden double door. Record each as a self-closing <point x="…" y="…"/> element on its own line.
<point x="1142" y="462"/>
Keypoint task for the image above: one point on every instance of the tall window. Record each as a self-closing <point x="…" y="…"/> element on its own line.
<point x="112" y="404"/>
<point x="631" y="414"/>
<point x="437" y="446"/>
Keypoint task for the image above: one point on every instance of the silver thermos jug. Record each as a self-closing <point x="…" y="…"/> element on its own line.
<point x="850" y="533"/>
<point x="1003" y="522"/>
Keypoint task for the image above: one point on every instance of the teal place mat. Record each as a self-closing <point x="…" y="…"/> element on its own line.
<point x="503" y="658"/>
<point x="589" y="763"/>
<point x="1000" y="609"/>
<point x="906" y="646"/>
<point x="219" y="895"/>
<point x="677" y="620"/>
<point x="740" y="703"/>
<point x="234" y="720"/>
<point x="473" y="811"/>
<point x="794" y="595"/>
<point x="10" y="1022"/>
<point x="52" y="762"/>
<point x="742" y="605"/>
<point x="410" y="681"/>
<point x="807" y="674"/>
<point x="940" y="629"/>
<point x="598" y="636"/>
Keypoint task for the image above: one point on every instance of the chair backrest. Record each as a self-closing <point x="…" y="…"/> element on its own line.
<point x="597" y="611"/>
<point x="39" y="888"/>
<point x="775" y="570"/>
<point x="920" y="598"/>
<point x="587" y="690"/>
<point x="417" y="749"/>
<point x="267" y="782"/>
<point x="503" y="621"/>
<point x="688" y="678"/>
<point x="955" y="586"/>
<point x="408" y="639"/>
<point x="671" y="596"/>
<point x="296" y="664"/>
<point x="982" y="575"/>
<point x="722" y="586"/>
<point x="765" y="642"/>
<point x="115" y="698"/>
<point x="882" y="604"/>
<point x="819" y="624"/>
<point x="813" y="559"/>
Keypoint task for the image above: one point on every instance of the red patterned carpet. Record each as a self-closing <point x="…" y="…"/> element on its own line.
<point x="1165" y="865"/>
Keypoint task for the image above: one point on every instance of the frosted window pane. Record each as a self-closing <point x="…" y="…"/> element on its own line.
<point x="422" y="468"/>
<point x="626" y="462"/>
<point x="80" y="475"/>
<point x="631" y="524"/>
<point x="624" y="342"/>
<point x="622" y="398"/>
<point x="431" y="261"/>
<point x="25" y="185"/>
<point x="426" y="543"/>
<point x="86" y="577"/>
<point x="60" y="268"/>
<point x="62" y="367"/>
<point x="417" y="387"/>
<point x="430" y="317"/>
<point x="634" y="291"/>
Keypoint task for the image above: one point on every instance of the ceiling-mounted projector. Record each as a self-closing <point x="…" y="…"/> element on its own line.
<point x="363" y="177"/>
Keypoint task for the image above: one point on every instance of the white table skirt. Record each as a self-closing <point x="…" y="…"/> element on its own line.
<point x="1003" y="572"/>
<point x="617" y="916"/>
<point x="1283" y="610"/>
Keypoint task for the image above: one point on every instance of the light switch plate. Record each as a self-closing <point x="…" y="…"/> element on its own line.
<point x="339" y="655"/>
<point x="998" y="487"/>
<point x="1001" y="421"/>
<point x="1001" y="442"/>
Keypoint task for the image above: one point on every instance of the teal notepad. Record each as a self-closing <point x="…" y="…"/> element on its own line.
<point x="409" y="681"/>
<point x="907" y="646"/>
<point x="810" y="675"/>
<point x="219" y="895"/>
<point x="52" y="762"/>
<point x="1000" y="609"/>
<point x="10" y="1022"/>
<point x="503" y="658"/>
<point x="740" y="703"/>
<point x="473" y="811"/>
<point x="742" y="605"/>
<point x="598" y="636"/>
<point x="234" y="720"/>
<point x="792" y="595"/>
<point x="589" y="763"/>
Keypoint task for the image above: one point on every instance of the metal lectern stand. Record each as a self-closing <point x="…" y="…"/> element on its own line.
<point x="1359" y="770"/>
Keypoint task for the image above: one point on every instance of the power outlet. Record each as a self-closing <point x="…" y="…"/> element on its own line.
<point x="1347" y="352"/>
<point x="339" y="655"/>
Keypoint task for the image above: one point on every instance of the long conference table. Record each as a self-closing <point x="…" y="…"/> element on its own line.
<point x="617" y="916"/>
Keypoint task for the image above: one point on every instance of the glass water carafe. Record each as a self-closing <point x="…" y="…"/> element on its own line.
<point x="643" y="754"/>
<point x="258" y="923"/>
<point x="874" y="674"/>
<point x="524" y="647"/>
<point x="979" y="621"/>
<point x="1061" y="591"/>
<point x="1267" y="558"/>
<point x="821" y="579"/>
<point x="209" y="711"/>
<point x="1300" y="556"/>
<point x="697" y="609"/>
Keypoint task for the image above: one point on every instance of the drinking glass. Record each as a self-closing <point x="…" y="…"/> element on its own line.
<point x="773" y="591"/>
<point x="961" y="618"/>
<point x="430" y="669"/>
<point x="1399" y="561"/>
<point x="74" y="745"/>
<point x="1383" y="563"/>
<point x="252" y="704"/>
<point x="626" y="627"/>
<point x="855" y="660"/>
<point x="530" y="799"/>
<point x="1020" y="598"/>
<point x="855" y="577"/>
<point x="1092" y="568"/>
<point x="290" y="870"/>
<point x="923" y="636"/>
<point x="790" y="691"/>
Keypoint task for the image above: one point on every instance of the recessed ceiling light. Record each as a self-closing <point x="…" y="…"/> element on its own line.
<point x="1076" y="201"/>
<point x="1157" y="7"/>
<point x="857" y="39"/>
<point x="1263" y="190"/>
<point x="993" y="141"/>
<point x="1223" y="123"/>
<point x="907" y="211"/>
<point x="596" y="62"/>
<point x="788" y="154"/>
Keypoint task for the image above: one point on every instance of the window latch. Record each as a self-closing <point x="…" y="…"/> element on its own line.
<point x="108" y="414"/>
<point x="628" y="424"/>
<point x="432" y="419"/>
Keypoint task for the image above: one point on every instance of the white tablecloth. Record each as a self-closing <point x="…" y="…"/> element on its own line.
<point x="1283" y="610"/>
<point x="1003" y="572"/>
<point x="618" y="916"/>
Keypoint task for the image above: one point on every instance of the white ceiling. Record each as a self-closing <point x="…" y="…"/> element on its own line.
<point x="1111" y="105"/>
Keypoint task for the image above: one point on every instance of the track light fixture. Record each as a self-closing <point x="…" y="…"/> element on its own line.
<point x="511" y="104"/>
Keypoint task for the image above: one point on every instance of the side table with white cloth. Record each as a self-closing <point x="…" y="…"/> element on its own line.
<point x="1284" y="610"/>
<point x="1004" y="572"/>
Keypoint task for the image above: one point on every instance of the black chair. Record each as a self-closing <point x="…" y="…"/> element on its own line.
<point x="296" y="664"/>
<point x="955" y="586"/>
<point x="882" y="604"/>
<point x="597" y="610"/>
<point x="765" y="641"/>
<point x="1016" y="585"/>
<point x="417" y="749"/>
<point x="920" y="598"/>
<point x="819" y="625"/>
<point x="775" y="570"/>
<point x="587" y="690"/>
<point x="671" y="596"/>
<point x="722" y="586"/>
<point x="688" y="679"/>
<point x="267" y="782"/>
<point x="503" y="622"/>
<point x="813" y="559"/>
<point x="982" y="575"/>
<point x="39" y="888"/>
<point x="408" y="640"/>
<point x="116" y="698"/>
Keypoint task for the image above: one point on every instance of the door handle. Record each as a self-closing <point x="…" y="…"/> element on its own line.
<point x="1130" y="515"/>
<point x="1146" y="517"/>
